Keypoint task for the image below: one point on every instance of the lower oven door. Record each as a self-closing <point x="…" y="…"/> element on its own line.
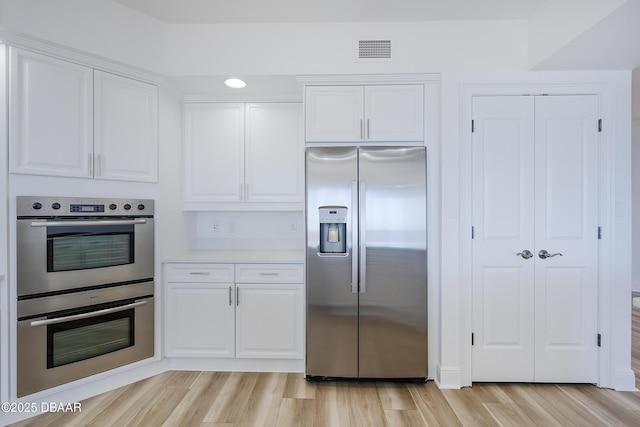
<point x="54" y="350"/>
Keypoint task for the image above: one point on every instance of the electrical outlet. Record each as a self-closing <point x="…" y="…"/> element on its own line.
<point x="232" y="227"/>
<point x="215" y="226"/>
<point x="293" y="227"/>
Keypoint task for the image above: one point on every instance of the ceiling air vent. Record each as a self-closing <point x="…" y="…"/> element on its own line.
<point x="374" y="50"/>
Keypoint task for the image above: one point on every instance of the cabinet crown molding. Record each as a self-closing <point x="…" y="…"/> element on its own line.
<point x="205" y="99"/>
<point x="371" y="79"/>
<point x="78" y="57"/>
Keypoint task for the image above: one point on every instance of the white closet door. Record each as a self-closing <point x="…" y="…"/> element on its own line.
<point x="535" y="187"/>
<point x="566" y="161"/>
<point x="503" y="209"/>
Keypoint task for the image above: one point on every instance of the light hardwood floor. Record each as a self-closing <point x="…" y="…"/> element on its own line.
<point x="227" y="399"/>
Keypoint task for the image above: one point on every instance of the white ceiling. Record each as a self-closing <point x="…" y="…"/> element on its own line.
<point x="282" y="11"/>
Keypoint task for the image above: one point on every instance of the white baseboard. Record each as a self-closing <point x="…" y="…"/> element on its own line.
<point x="235" y="365"/>
<point x="448" y="377"/>
<point x="624" y="380"/>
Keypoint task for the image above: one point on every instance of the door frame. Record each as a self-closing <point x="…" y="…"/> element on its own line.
<point x="606" y="274"/>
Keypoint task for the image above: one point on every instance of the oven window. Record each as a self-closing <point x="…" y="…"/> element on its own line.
<point x="81" y="248"/>
<point x="77" y="340"/>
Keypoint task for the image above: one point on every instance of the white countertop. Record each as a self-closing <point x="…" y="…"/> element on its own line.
<point x="240" y="256"/>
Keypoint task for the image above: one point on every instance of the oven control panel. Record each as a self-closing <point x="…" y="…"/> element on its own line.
<point x="33" y="206"/>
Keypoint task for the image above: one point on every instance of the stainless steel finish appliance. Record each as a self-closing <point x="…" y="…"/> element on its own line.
<point x="69" y="243"/>
<point x="366" y="262"/>
<point x="85" y="287"/>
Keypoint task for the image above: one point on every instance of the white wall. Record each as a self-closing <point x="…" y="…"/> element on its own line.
<point x="4" y="233"/>
<point x="172" y="220"/>
<point x="109" y="30"/>
<point x="635" y="161"/>
<point x="288" y="49"/>
<point x="558" y="22"/>
<point x="103" y="28"/>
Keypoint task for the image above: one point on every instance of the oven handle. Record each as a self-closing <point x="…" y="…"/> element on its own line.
<point x="84" y="223"/>
<point x="87" y="315"/>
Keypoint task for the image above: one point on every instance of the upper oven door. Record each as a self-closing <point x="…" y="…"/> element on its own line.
<point x="62" y="254"/>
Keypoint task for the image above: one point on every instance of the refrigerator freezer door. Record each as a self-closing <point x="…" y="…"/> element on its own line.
<point x="332" y="298"/>
<point x="393" y="263"/>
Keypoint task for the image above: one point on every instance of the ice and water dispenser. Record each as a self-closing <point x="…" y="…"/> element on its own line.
<point x="333" y="229"/>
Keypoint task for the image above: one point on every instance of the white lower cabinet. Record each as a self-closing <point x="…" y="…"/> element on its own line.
<point x="269" y="311"/>
<point x="199" y="320"/>
<point x="209" y="313"/>
<point x="199" y="310"/>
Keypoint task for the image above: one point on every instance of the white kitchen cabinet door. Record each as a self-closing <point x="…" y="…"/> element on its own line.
<point x="274" y="149"/>
<point x="199" y="319"/>
<point x="214" y="152"/>
<point x="51" y="116"/>
<point x="373" y="113"/>
<point x="535" y="317"/>
<point x="125" y="128"/>
<point x="394" y="113"/>
<point x="269" y="321"/>
<point x="334" y="113"/>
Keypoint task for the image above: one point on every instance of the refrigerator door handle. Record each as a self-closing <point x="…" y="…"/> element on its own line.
<point x="354" y="237"/>
<point x="362" y="209"/>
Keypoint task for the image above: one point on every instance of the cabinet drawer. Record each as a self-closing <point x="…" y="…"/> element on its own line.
<point x="269" y="273"/>
<point x="187" y="272"/>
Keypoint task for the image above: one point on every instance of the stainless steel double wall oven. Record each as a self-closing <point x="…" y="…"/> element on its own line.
<point x="85" y="271"/>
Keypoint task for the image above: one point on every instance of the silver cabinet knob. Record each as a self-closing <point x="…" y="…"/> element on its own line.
<point x="526" y="254"/>
<point x="543" y="254"/>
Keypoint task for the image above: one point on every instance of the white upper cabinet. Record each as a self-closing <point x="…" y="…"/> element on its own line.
<point x="214" y="152"/>
<point x="125" y="128"/>
<point x="375" y="113"/>
<point x="273" y="153"/>
<point x="71" y="120"/>
<point x="51" y="116"/>
<point x="394" y="113"/>
<point x="334" y="113"/>
<point x="243" y="156"/>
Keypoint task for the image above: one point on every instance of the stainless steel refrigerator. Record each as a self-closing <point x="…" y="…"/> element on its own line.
<point x="366" y="262"/>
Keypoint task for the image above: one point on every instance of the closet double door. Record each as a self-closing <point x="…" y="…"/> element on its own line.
<point x="535" y="238"/>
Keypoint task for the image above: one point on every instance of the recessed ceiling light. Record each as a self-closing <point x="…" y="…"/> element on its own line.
<point x="235" y="83"/>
